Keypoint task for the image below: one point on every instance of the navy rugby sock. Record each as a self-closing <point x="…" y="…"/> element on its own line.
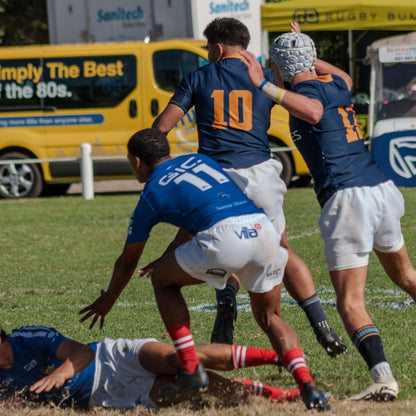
<point x="313" y="310"/>
<point x="368" y="342"/>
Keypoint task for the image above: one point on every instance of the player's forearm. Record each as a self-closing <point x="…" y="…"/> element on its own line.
<point x="79" y="359"/>
<point x="124" y="268"/>
<point x="167" y="119"/>
<point x="122" y="274"/>
<point x="298" y="105"/>
<point x="76" y="357"/>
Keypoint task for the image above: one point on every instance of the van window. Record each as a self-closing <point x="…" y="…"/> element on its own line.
<point x="171" y="65"/>
<point x="16" y="85"/>
<point x="59" y="83"/>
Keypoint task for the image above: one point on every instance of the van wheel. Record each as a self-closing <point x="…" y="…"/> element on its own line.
<point x="19" y="179"/>
<point x="287" y="171"/>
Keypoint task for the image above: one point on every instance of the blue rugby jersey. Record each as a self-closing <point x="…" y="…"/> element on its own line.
<point x="190" y="191"/>
<point x="232" y="115"/>
<point x="333" y="149"/>
<point x="34" y="357"/>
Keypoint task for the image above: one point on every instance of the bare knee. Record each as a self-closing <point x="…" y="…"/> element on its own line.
<point x="407" y="282"/>
<point x="348" y="306"/>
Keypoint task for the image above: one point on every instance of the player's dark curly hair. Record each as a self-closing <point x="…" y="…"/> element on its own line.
<point x="150" y="145"/>
<point x="227" y="30"/>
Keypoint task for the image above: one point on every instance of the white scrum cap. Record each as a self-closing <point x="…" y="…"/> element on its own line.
<point x="294" y="53"/>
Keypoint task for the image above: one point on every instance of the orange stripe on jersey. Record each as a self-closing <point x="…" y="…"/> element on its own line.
<point x="322" y="78"/>
<point x="352" y="128"/>
<point x="234" y="55"/>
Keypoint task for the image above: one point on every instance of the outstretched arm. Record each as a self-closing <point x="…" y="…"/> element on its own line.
<point x="123" y="270"/>
<point x="302" y="107"/>
<point x="76" y="357"/>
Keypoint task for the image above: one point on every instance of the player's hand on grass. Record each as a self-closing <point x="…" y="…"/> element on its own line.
<point x="46" y="384"/>
<point x="97" y="310"/>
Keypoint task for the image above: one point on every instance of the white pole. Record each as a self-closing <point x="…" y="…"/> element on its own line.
<point x="372" y="105"/>
<point x="87" y="175"/>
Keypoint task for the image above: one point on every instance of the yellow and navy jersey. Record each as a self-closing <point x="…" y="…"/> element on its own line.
<point x="334" y="148"/>
<point x="232" y="115"/>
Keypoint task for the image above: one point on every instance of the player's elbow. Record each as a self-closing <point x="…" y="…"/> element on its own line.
<point x="313" y="118"/>
<point x="314" y="114"/>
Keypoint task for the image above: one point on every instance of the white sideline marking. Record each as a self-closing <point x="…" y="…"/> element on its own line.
<point x="384" y="298"/>
<point x="307" y="234"/>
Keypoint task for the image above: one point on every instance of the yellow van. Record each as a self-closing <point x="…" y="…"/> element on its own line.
<point x="55" y="97"/>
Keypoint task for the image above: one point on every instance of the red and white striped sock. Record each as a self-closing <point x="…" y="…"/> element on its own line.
<point x="295" y="363"/>
<point x="274" y="394"/>
<point x="184" y="345"/>
<point x="252" y="357"/>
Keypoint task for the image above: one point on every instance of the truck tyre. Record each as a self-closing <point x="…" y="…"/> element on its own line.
<point x="19" y="179"/>
<point x="284" y="159"/>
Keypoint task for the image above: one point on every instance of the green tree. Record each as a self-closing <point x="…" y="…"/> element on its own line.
<point x="23" y="22"/>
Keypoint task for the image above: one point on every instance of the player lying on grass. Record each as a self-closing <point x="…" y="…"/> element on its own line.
<point x="230" y="235"/>
<point x="43" y="365"/>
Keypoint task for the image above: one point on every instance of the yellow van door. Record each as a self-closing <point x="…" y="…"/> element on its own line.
<point x="170" y="62"/>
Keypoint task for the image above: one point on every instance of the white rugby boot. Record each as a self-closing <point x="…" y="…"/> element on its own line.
<point x="383" y="390"/>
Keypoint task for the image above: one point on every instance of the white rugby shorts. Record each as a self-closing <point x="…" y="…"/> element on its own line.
<point x="263" y="185"/>
<point x="120" y="381"/>
<point x="247" y="245"/>
<point x="354" y="221"/>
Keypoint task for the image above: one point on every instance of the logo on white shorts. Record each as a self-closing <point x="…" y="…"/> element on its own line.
<point x="248" y="233"/>
<point x="275" y="272"/>
<point x="217" y="272"/>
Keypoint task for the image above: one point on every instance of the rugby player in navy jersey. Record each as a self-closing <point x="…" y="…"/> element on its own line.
<point x="232" y="119"/>
<point x="229" y="235"/>
<point x="360" y="207"/>
<point x="40" y="364"/>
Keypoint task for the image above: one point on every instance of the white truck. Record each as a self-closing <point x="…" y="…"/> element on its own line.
<point x="392" y="108"/>
<point x="73" y="21"/>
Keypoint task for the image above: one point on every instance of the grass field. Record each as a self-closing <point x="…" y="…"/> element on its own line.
<point x="57" y="253"/>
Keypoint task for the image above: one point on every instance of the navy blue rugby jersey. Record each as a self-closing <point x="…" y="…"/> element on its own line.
<point x="190" y="191"/>
<point x="334" y="148"/>
<point x="34" y="357"/>
<point x="232" y="115"/>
